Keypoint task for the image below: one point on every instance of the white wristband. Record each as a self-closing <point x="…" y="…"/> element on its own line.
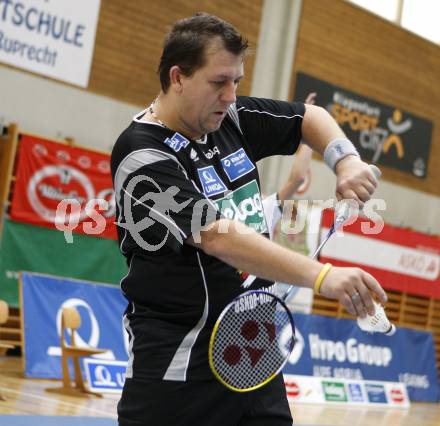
<point x="338" y="149"/>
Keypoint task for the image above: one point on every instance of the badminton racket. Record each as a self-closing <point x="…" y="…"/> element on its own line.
<point x="255" y="334"/>
<point x="251" y="341"/>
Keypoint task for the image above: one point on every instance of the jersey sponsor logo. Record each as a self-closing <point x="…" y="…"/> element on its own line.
<point x="176" y="142"/>
<point x="211" y="152"/>
<point x="211" y="182"/>
<point x="237" y="165"/>
<point x="193" y="155"/>
<point x="244" y="204"/>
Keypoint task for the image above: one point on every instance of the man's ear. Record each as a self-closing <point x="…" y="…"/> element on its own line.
<point x="176" y="78"/>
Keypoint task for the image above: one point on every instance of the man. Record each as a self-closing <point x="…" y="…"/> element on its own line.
<point x="185" y="176"/>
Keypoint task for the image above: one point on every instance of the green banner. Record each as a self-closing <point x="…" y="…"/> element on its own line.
<point x="38" y="249"/>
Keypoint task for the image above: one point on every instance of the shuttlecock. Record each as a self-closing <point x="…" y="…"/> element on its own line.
<point x="377" y="323"/>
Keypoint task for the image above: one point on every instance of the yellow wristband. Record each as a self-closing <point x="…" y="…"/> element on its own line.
<point x="324" y="271"/>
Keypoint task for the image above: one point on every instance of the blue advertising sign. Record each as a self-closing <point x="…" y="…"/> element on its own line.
<point x="105" y="376"/>
<point x="376" y="393"/>
<point x="355" y="392"/>
<point x="101" y="308"/>
<point x="330" y="347"/>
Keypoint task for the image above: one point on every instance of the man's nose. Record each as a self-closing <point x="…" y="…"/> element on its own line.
<point x="229" y="93"/>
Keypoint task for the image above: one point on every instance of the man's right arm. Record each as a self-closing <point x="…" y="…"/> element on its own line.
<point x="244" y="249"/>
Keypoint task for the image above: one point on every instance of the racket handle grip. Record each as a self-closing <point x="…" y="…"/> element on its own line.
<point x="376" y="171"/>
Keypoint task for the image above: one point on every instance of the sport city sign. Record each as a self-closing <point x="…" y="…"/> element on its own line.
<point x="382" y="134"/>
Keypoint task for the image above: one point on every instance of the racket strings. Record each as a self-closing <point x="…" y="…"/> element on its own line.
<point x="252" y="342"/>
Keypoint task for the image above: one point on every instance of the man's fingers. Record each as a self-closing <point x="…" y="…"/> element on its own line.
<point x="356" y="183"/>
<point x="355" y="289"/>
<point x="311" y="98"/>
<point x="346" y="302"/>
<point x="364" y="298"/>
<point x="372" y="176"/>
<point x="375" y="287"/>
<point x="356" y="300"/>
<point x="369" y="187"/>
<point x="363" y="194"/>
<point x="350" y="194"/>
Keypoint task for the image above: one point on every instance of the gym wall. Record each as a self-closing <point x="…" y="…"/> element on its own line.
<point x="343" y="44"/>
<point x="123" y="76"/>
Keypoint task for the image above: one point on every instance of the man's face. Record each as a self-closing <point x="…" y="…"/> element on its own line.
<point x="207" y="94"/>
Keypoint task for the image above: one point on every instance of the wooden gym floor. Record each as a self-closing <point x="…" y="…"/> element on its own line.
<point x="28" y="397"/>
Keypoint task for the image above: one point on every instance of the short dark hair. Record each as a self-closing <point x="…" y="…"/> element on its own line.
<point x="185" y="44"/>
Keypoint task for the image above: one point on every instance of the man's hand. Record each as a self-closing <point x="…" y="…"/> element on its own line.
<point x="355" y="180"/>
<point x="311" y="98"/>
<point x="354" y="288"/>
<point x="299" y="174"/>
<point x="244" y="249"/>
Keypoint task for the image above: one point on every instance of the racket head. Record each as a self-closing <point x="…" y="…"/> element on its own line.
<point x="251" y="341"/>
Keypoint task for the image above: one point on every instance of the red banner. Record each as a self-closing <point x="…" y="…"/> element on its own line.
<point x="398" y="258"/>
<point x="58" y="185"/>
